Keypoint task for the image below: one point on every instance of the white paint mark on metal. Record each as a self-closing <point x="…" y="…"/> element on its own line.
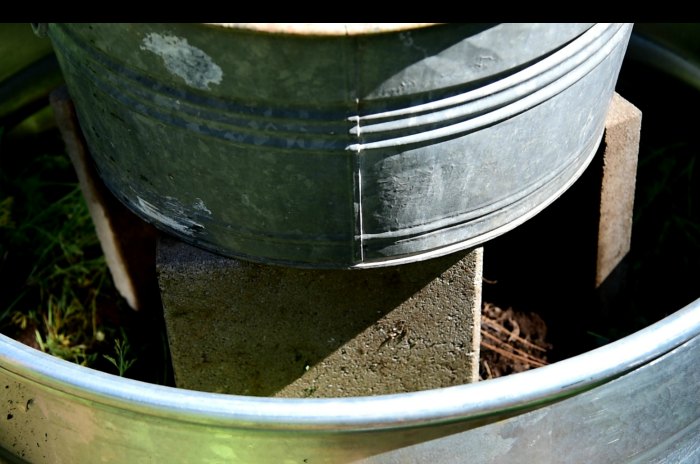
<point x="183" y="225"/>
<point x="407" y="40"/>
<point x="183" y="60"/>
<point x="200" y="206"/>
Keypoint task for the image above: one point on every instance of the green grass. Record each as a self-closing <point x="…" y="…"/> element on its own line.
<point x="122" y="359"/>
<point x="56" y="293"/>
<point x="51" y="264"/>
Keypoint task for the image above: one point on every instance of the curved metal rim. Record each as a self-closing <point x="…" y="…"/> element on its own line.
<point x="445" y="117"/>
<point x="493" y="102"/>
<point x="453" y="404"/>
<point x="658" y="56"/>
<point x="324" y="29"/>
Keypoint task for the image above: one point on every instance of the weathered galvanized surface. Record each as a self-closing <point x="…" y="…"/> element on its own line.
<point x="339" y="151"/>
<point x="634" y="400"/>
<point x="649" y="415"/>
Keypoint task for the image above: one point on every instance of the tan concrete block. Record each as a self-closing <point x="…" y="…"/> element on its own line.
<point x="251" y="329"/>
<point x="128" y="243"/>
<point x="622" y="134"/>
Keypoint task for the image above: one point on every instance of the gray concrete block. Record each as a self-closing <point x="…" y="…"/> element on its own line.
<point x="251" y="329"/>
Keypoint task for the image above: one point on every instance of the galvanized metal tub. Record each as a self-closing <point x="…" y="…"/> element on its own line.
<point x="634" y="400"/>
<point x="337" y="147"/>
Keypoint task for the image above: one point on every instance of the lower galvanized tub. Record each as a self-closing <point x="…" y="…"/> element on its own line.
<point x="340" y="147"/>
<point x="634" y="400"/>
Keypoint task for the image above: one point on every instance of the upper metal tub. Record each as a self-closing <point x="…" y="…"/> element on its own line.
<point x="340" y="146"/>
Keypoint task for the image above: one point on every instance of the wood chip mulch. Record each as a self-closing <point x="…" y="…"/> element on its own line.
<point x="511" y="342"/>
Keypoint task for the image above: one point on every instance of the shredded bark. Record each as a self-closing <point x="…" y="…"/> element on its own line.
<point x="511" y="342"/>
